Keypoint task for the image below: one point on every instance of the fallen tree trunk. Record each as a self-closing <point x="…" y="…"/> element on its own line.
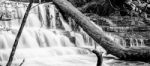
<point x="140" y="54"/>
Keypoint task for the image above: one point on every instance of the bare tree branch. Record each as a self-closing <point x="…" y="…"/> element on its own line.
<point x="19" y="34"/>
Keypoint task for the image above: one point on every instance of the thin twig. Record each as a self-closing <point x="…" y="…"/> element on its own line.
<point x="35" y="5"/>
<point x="22" y="62"/>
<point x="19" y="34"/>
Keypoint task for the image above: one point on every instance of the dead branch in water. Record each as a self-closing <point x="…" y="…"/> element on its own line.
<point x="22" y="62"/>
<point x="19" y="34"/>
<point x="99" y="57"/>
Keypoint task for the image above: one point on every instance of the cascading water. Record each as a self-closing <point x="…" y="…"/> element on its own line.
<point x="134" y="42"/>
<point x="39" y="38"/>
<point x="47" y="39"/>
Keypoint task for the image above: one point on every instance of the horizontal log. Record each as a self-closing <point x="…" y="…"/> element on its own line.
<point x="126" y="29"/>
<point x="35" y="1"/>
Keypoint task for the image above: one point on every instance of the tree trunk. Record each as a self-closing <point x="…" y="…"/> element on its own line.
<point x="140" y="54"/>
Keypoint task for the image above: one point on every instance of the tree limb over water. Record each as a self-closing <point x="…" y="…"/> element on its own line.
<point x="19" y="34"/>
<point x="97" y="33"/>
<point x="139" y="54"/>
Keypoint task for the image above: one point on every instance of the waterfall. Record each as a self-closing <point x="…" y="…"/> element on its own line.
<point x="47" y="34"/>
<point x="142" y="42"/>
<point x="52" y="13"/>
<point x="134" y="42"/>
<point x="41" y="37"/>
<point x="66" y="26"/>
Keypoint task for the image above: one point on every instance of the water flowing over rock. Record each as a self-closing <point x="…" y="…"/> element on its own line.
<point x="46" y="31"/>
<point x="46" y="34"/>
